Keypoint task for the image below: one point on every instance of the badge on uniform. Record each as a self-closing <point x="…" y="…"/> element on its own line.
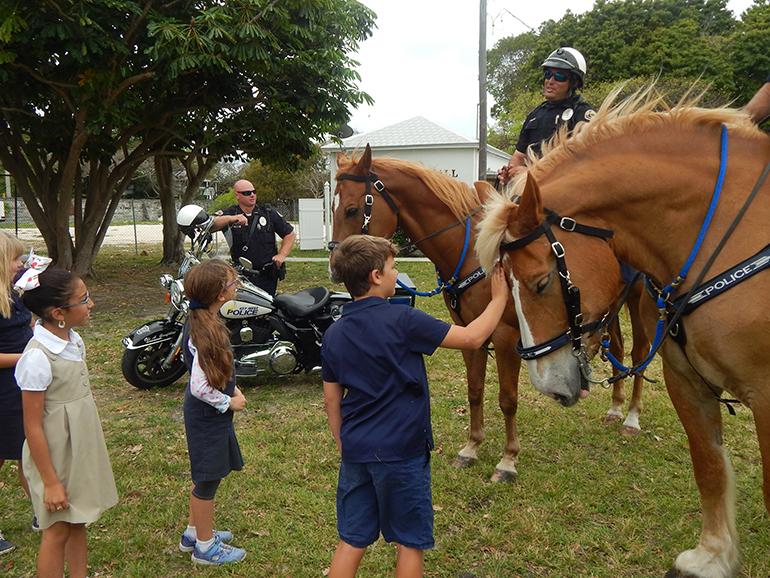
<point x="567" y="114"/>
<point x="262" y="221"/>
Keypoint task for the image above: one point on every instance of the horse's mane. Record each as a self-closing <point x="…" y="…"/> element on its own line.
<point x="458" y="197"/>
<point x="492" y="230"/>
<point x="643" y="111"/>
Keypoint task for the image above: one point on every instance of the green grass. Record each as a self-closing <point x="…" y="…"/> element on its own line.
<point x="587" y="501"/>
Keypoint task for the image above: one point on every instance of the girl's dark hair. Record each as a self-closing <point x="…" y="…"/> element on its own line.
<point x="56" y="289"/>
<point x="205" y="282"/>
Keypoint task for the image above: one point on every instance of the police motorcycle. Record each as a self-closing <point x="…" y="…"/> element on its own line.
<point x="279" y="335"/>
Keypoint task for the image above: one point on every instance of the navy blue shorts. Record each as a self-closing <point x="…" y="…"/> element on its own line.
<point x="389" y="497"/>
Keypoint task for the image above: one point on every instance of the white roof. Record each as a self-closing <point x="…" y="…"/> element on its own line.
<point x="417" y="132"/>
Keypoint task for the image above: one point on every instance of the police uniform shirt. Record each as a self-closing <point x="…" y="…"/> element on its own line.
<point x="256" y="240"/>
<point x="545" y="120"/>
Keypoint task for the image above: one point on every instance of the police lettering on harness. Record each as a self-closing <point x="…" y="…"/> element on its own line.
<point x="735" y="276"/>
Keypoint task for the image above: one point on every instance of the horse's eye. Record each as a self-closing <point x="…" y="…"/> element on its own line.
<point x="542" y="284"/>
<point x="351" y="213"/>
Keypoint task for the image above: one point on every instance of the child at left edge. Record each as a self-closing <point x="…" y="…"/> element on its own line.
<point x="65" y="457"/>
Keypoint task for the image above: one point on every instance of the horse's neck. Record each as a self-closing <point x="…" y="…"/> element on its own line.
<point x="655" y="204"/>
<point x="444" y="249"/>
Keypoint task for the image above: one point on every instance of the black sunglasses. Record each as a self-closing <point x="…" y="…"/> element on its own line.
<point x="246" y="193"/>
<point x="557" y="76"/>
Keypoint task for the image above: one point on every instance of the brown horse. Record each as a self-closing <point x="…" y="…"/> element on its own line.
<point x="647" y="172"/>
<point x="434" y="208"/>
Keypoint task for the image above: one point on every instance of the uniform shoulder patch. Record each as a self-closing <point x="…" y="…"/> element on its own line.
<point x="589" y="114"/>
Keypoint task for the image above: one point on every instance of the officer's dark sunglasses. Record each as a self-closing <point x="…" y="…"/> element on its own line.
<point x="246" y="193"/>
<point x="557" y="76"/>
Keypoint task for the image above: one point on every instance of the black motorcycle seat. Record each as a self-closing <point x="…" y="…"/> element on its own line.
<point x="305" y="303"/>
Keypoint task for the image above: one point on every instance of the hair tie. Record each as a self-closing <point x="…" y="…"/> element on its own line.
<point x="195" y="304"/>
<point x="28" y="280"/>
<point x="37" y="261"/>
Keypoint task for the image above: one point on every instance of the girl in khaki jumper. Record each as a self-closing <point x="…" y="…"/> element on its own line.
<point x="65" y="458"/>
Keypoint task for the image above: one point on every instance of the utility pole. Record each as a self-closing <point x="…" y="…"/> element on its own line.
<point x="482" y="90"/>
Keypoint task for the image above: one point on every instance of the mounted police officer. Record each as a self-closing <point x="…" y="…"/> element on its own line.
<point x="563" y="73"/>
<point x="252" y="229"/>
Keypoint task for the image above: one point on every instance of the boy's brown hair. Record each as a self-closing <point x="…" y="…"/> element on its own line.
<point x="359" y="255"/>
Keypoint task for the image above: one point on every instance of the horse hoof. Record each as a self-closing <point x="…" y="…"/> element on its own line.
<point x="610" y="419"/>
<point x="461" y="462"/>
<point x="629" y="432"/>
<point x="503" y="476"/>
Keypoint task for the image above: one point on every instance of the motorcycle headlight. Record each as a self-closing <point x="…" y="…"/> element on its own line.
<point x="165" y="281"/>
<point x="176" y="293"/>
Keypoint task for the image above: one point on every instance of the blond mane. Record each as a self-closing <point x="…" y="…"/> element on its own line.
<point x="459" y="198"/>
<point x="643" y="111"/>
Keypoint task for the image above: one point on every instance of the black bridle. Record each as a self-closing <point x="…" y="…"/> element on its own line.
<point x="570" y="292"/>
<point x="370" y="180"/>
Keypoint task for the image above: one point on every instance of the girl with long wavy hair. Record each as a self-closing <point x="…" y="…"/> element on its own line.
<point x="210" y="399"/>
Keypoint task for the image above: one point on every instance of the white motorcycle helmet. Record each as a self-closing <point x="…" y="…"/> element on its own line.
<point x="569" y="59"/>
<point x="189" y="217"/>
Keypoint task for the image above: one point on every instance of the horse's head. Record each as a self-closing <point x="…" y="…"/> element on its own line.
<point x="544" y="289"/>
<point x="359" y="204"/>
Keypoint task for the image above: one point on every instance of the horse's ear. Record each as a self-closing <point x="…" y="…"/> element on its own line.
<point x="485" y="191"/>
<point x="530" y="213"/>
<point x="365" y="163"/>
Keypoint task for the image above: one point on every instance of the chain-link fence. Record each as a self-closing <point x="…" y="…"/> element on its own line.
<point x="137" y="222"/>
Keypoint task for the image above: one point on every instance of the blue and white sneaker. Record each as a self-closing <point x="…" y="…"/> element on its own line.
<point x="187" y="544"/>
<point x="35" y="526"/>
<point x="6" y="546"/>
<point x="218" y="554"/>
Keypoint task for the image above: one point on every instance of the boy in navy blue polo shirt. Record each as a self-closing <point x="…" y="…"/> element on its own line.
<point x="378" y="404"/>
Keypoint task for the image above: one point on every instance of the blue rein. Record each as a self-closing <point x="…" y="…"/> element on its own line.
<point x="441" y="284"/>
<point x="669" y="289"/>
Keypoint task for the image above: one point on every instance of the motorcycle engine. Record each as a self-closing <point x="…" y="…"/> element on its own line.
<point x="249" y="331"/>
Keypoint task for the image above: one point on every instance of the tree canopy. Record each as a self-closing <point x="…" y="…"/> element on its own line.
<point x="93" y="89"/>
<point x="679" y="43"/>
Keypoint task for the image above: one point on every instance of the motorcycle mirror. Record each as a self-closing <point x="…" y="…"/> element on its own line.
<point x="246" y="263"/>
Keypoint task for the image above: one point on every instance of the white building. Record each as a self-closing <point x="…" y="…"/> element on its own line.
<point x="422" y="141"/>
<point x="418" y="140"/>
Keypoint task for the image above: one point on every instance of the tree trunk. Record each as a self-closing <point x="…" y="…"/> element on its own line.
<point x="196" y="167"/>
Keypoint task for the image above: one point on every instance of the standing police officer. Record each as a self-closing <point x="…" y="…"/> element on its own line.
<point x="253" y="229"/>
<point x="563" y="72"/>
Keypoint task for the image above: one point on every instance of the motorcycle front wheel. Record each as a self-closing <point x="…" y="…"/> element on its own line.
<point x="142" y="367"/>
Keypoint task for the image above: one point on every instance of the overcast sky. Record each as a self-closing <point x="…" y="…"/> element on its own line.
<point x="422" y="59"/>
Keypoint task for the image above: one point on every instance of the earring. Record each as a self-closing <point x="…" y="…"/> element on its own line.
<point x="62" y="325"/>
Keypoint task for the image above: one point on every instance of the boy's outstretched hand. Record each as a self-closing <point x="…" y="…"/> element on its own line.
<point x="500" y="289"/>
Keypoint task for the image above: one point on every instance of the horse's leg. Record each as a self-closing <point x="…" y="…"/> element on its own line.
<point x="508" y="366"/>
<point x="476" y="369"/>
<point x="760" y="407"/>
<point x="639" y="351"/>
<point x="716" y="555"/>
<point x="615" y="413"/>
